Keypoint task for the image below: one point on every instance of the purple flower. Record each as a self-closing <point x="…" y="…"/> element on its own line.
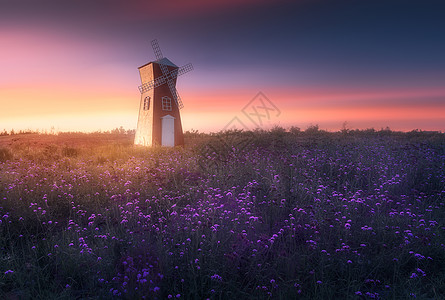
<point x="419" y="256"/>
<point x="421" y="272"/>
<point x="216" y="277"/>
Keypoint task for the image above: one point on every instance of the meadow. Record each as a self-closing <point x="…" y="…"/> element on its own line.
<point x="234" y="215"/>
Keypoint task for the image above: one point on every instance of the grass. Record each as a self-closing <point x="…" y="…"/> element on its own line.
<point x="251" y="215"/>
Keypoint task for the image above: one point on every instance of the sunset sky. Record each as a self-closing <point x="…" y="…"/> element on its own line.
<point x="72" y="65"/>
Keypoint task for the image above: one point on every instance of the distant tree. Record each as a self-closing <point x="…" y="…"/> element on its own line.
<point x="369" y="131"/>
<point x="277" y="130"/>
<point x="312" y="129"/>
<point x="344" y="128"/>
<point x="295" y="130"/>
<point x="131" y="131"/>
<point x="192" y="133"/>
<point x="120" y="130"/>
<point x="386" y="131"/>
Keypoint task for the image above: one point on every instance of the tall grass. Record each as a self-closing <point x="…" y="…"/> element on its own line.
<point x="280" y="215"/>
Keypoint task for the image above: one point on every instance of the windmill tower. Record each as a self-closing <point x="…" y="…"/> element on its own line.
<point x="159" y="121"/>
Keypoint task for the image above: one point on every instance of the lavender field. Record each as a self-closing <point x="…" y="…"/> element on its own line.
<point x="263" y="215"/>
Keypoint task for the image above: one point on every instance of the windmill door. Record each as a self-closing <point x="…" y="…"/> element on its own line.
<point x="168" y="131"/>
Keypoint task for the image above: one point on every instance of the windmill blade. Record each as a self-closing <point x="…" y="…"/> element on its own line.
<point x="146" y="86"/>
<point x="184" y="69"/>
<point x="159" y="56"/>
<point x="152" y="84"/>
<point x="175" y="73"/>
<point x="164" y="69"/>
<point x="175" y="94"/>
<point x="156" y="49"/>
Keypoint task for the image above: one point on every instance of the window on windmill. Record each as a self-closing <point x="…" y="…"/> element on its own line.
<point x="166" y="103"/>
<point x="146" y="103"/>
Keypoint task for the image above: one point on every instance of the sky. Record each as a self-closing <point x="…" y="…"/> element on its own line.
<point x="72" y="65"/>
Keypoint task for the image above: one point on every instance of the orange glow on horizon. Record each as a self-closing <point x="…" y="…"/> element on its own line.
<point x="68" y="109"/>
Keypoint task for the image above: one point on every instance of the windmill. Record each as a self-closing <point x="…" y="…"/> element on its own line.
<point x="159" y="121"/>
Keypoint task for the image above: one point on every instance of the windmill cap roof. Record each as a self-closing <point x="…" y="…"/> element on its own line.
<point x="164" y="61"/>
